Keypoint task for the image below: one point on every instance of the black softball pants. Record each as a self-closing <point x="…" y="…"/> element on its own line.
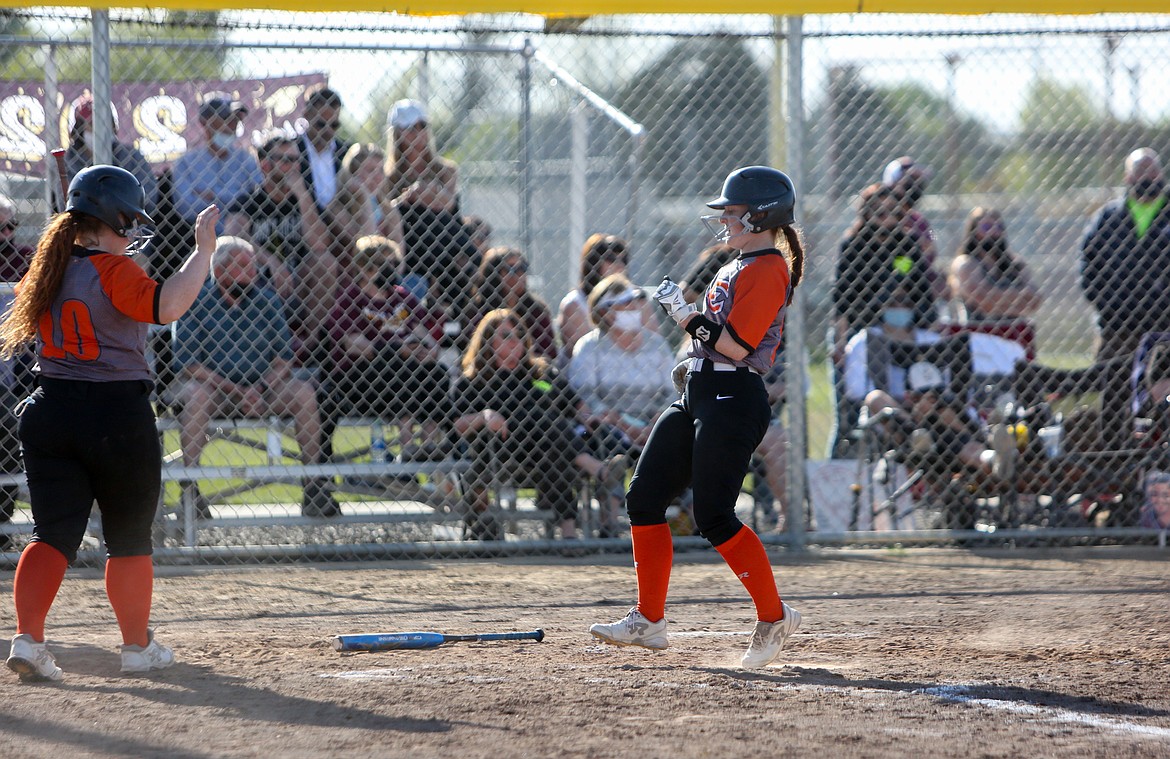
<point x="87" y="441"/>
<point x="704" y="440"/>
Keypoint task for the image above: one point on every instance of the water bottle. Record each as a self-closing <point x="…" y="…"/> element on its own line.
<point x="377" y="442"/>
<point x="275" y="449"/>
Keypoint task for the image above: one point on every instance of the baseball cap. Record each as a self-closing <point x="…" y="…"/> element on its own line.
<point x="407" y="113"/>
<point x="900" y="167"/>
<point x="220" y="104"/>
<point x="923" y="377"/>
<point x="82" y="110"/>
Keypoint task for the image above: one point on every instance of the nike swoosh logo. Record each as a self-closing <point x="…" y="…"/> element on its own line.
<point x="723" y="397"/>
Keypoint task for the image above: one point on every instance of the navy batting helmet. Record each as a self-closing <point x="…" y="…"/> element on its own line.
<point x="768" y="193"/>
<point x="111" y="195"/>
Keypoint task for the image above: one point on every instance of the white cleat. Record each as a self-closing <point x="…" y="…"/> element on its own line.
<point x="768" y="639"/>
<point x="633" y="630"/>
<point x="152" y="656"/>
<point x="32" y="661"/>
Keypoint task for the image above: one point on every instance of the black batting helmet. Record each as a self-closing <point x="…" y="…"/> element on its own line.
<point x="768" y="193"/>
<point x="110" y="195"/>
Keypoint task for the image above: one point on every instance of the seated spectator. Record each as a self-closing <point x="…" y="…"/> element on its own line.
<point x="990" y="283"/>
<point x="510" y="404"/>
<point x="502" y="282"/>
<point x="291" y="241"/>
<point x="423" y="186"/>
<point x="14" y="258"/>
<point x="601" y="256"/>
<point x="233" y="356"/>
<point x="16" y="382"/>
<point x="356" y="210"/>
<point x="321" y="149"/>
<point x="385" y="355"/>
<point x="919" y="390"/>
<point x="875" y="253"/>
<point x="620" y="371"/>
<point x="79" y="151"/>
<point x="219" y="171"/>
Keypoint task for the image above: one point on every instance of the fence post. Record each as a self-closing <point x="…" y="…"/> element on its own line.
<point x="526" y="147"/>
<point x="103" y="121"/>
<point x="795" y="345"/>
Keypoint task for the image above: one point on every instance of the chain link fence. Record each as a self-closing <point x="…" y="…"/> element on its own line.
<point x="412" y="208"/>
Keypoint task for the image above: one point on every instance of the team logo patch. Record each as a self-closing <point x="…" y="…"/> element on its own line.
<point x="717" y="295"/>
<point x="703" y="334"/>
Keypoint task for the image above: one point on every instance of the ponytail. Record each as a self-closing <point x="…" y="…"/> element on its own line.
<point x="795" y="252"/>
<point x="40" y="286"/>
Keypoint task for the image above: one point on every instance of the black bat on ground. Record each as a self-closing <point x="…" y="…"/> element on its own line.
<point x="394" y="641"/>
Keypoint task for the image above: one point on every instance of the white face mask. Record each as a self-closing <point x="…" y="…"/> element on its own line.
<point x="223" y="141"/>
<point x="627" y="321"/>
<point x="87" y="140"/>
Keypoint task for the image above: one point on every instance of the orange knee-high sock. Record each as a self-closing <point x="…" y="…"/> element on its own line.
<point x="129" y="586"/>
<point x="746" y="556"/>
<point x="38" y="578"/>
<point x="653" y="556"/>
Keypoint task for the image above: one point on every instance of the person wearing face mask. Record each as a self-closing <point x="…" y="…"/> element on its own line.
<point x="993" y="286"/>
<point x="1125" y="275"/>
<point x="385" y="353"/>
<point x="233" y="355"/>
<point x="620" y="371"/>
<point x="875" y="252"/>
<point x="220" y="170"/>
<point x="79" y="151"/>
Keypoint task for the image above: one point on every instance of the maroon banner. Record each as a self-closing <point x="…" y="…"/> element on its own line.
<point x="160" y="119"/>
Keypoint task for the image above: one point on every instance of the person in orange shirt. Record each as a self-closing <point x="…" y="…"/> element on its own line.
<point x="88" y="430"/>
<point x="706" y="438"/>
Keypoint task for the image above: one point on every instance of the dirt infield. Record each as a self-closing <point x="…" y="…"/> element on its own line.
<point x="915" y="653"/>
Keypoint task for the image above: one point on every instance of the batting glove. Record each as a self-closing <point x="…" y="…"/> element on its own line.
<point x="669" y="296"/>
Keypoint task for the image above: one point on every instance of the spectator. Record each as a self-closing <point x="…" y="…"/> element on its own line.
<point x="921" y="395"/>
<point x="291" y="242"/>
<point x="990" y="282"/>
<point x="875" y="253"/>
<point x="1124" y="255"/>
<point x="15" y="383"/>
<point x="356" y="210"/>
<point x="219" y="171"/>
<point x="79" y="152"/>
<point x="479" y="232"/>
<point x="422" y="185"/>
<point x="233" y="353"/>
<point x="321" y="149"/>
<point x="14" y="258"/>
<point x="909" y="179"/>
<point x="621" y="372"/>
<point x="711" y="260"/>
<point x="511" y="405"/>
<point x="601" y="256"/>
<point x="1124" y="252"/>
<point x="1155" y="511"/>
<point x="385" y="360"/>
<point x="502" y="282"/>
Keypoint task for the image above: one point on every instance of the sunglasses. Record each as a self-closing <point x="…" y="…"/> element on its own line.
<point x="9" y="226"/>
<point x="520" y="268"/>
<point x="322" y="123"/>
<point x="986" y="228"/>
<point x="508" y="333"/>
<point x="285" y="159"/>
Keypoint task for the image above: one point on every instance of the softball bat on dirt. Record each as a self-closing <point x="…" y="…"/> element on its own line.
<point x="393" y="641"/>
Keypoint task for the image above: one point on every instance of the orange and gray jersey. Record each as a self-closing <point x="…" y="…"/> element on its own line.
<point x="95" y="329"/>
<point x="748" y="297"/>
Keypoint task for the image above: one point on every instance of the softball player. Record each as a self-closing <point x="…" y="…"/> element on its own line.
<point x="88" y="430"/>
<point x="706" y="438"/>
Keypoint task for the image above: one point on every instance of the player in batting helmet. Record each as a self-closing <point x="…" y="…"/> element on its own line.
<point x="722" y="415"/>
<point x="88" y="430"/>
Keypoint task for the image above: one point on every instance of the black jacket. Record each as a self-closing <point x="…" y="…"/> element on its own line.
<point x="868" y="271"/>
<point x="1126" y="278"/>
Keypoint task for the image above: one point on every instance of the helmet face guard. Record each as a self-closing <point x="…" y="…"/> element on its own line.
<point x="768" y="194"/>
<point x="111" y="195"/>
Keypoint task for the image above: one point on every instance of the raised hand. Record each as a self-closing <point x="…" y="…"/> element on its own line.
<point x="205" y="228"/>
